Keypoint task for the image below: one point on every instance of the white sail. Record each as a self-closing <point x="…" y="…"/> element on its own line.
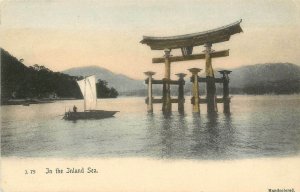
<point x="81" y="85"/>
<point x="88" y="89"/>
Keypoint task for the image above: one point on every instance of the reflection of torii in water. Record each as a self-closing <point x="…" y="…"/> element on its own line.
<point x="186" y="44"/>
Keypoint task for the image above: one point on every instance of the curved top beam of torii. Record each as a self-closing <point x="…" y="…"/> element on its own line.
<point x="217" y="35"/>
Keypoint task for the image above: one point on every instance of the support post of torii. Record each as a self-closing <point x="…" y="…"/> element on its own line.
<point x="210" y="81"/>
<point x="195" y="99"/>
<point x="167" y="105"/>
<point x="226" y="98"/>
<point x="181" y="99"/>
<point x="150" y="95"/>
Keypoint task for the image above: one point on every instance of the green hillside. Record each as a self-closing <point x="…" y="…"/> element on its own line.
<point x="20" y="82"/>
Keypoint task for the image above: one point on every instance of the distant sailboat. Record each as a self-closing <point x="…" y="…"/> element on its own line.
<point x="88" y="89"/>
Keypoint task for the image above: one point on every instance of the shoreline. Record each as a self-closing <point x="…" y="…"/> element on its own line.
<point x="27" y="102"/>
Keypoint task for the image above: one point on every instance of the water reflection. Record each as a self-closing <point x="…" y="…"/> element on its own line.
<point x="212" y="136"/>
<point x="206" y="136"/>
<point x="265" y="128"/>
<point x="167" y="135"/>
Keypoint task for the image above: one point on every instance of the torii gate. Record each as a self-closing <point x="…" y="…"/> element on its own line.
<point x="186" y="44"/>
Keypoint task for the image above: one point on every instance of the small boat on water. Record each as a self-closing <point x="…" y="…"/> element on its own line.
<point x="89" y="114"/>
<point x="88" y="89"/>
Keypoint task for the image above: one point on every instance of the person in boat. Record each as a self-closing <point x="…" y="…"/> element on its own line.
<point x="75" y="108"/>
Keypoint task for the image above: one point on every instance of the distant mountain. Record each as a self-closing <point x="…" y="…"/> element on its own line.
<point x="251" y="79"/>
<point x="263" y="73"/>
<point x="120" y="82"/>
<point x="268" y="78"/>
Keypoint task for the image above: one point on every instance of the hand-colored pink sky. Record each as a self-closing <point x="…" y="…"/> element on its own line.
<point x="66" y="34"/>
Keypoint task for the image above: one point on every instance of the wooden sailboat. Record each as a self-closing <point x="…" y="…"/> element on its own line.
<point x="88" y="89"/>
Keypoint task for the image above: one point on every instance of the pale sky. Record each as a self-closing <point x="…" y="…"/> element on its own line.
<point x="65" y="34"/>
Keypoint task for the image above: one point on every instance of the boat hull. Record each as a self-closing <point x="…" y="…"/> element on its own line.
<point x="92" y="114"/>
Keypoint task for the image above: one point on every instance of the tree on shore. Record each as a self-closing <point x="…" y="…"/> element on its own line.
<point x="103" y="91"/>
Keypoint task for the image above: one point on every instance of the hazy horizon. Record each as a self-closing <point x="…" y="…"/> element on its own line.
<point x="186" y="71"/>
<point x="65" y="34"/>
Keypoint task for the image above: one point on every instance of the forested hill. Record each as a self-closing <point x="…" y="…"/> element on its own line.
<point x="19" y="81"/>
<point x="276" y="78"/>
<point x="263" y="73"/>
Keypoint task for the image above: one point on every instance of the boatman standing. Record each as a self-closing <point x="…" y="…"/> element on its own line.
<point x="75" y="108"/>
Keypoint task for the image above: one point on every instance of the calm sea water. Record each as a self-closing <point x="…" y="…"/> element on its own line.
<point x="258" y="126"/>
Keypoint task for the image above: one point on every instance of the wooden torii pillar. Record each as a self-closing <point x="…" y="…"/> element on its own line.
<point x="167" y="105"/>
<point x="150" y="93"/>
<point x="210" y="81"/>
<point x="195" y="91"/>
<point x="226" y="98"/>
<point x="181" y="99"/>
